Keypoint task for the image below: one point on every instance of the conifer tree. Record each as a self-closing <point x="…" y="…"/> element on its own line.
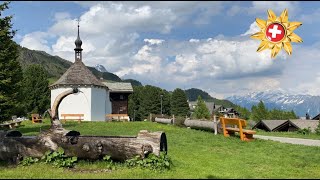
<point x="259" y="112"/>
<point x="134" y="104"/>
<point x="179" y="103"/>
<point x="35" y="89"/>
<point x="10" y="70"/>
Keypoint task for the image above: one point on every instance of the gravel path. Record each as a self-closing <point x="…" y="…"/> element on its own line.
<point x="307" y="142"/>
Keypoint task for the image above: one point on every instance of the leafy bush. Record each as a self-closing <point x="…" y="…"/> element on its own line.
<point x="304" y="131"/>
<point x="28" y="161"/>
<point x="179" y="121"/>
<point x="201" y="111"/>
<point x="59" y="159"/>
<point x="152" y="162"/>
<point x="109" y="162"/>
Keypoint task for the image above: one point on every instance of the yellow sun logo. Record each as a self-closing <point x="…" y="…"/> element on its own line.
<point x="277" y="33"/>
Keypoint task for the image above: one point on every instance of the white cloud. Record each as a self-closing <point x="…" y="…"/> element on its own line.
<point x="254" y="28"/>
<point x="36" y="41"/>
<point x="154" y="41"/>
<point x="209" y="60"/>
<point x="184" y="11"/>
<point x="61" y="15"/>
<point x="115" y="18"/>
<point x="263" y="84"/>
<point x="276" y="6"/>
<point x="234" y="10"/>
<point x="300" y="74"/>
<point x="194" y="40"/>
<point x="311" y="18"/>
<point x="261" y="7"/>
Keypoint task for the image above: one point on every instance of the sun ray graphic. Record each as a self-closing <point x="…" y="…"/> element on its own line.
<point x="276" y="33"/>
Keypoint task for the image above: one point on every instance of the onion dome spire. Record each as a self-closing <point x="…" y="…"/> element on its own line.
<point x="78" y="43"/>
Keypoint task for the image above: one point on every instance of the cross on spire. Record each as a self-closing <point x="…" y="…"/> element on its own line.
<point x="78" y="43"/>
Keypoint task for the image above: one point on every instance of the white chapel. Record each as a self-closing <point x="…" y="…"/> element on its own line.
<point x="93" y="99"/>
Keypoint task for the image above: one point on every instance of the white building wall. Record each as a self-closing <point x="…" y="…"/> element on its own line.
<point x="101" y="104"/>
<point x="79" y="103"/>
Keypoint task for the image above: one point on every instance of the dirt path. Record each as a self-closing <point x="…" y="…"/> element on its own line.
<point x="307" y="142"/>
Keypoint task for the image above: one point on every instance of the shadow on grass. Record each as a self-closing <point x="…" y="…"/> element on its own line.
<point x="33" y="130"/>
<point x="36" y="129"/>
<point x="213" y="177"/>
<point x="4" y="164"/>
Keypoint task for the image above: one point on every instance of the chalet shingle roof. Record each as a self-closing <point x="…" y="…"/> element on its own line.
<point x="317" y="117"/>
<point x="78" y="74"/>
<point x="276" y="125"/>
<point x="119" y="86"/>
<point x="305" y="123"/>
<point x="270" y="124"/>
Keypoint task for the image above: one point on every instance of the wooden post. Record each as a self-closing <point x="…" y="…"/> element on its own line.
<point x="173" y="119"/>
<point x="215" y="124"/>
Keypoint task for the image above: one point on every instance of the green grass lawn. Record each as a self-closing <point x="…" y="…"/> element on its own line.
<point x="289" y="134"/>
<point x="195" y="154"/>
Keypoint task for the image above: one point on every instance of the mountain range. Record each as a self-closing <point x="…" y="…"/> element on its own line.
<point x="56" y="66"/>
<point x="193" y="94"/>
<point x="279" y="99"/>
<point x="100" y="68"/>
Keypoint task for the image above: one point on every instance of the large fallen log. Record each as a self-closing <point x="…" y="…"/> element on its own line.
<point x="208" y="125"/>
<point x="14" y="146"/>
<point x="164" y="120"/>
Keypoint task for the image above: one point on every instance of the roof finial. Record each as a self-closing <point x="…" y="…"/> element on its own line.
<point x="78" y="27"/>
<point x="78" y="41"/>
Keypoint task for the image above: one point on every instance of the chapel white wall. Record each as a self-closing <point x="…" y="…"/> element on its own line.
<point x="101" y="104"/>
<point x="79" y="103"/>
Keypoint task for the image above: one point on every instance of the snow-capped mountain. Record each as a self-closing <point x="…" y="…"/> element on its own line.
<point x="300" y="104"/>
<point x="100" y="68"/>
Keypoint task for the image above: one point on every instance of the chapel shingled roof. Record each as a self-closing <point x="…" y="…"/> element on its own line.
<point x="78" y="74"/>
<point x="119" y="86"/>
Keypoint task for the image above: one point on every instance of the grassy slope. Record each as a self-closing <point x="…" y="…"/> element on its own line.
<point x="195" y="154"/>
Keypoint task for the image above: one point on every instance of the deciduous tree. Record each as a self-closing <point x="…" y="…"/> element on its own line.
<point x="201" y="111"/>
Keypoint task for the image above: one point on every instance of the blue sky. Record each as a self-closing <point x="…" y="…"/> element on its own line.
<point x="205" y="45"/>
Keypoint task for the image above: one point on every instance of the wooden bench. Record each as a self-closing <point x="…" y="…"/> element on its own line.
<point x="245" y="134"/>
<point x="119" y="117"/>
<point x="10" y="125"/>
<point x="79" y="117"/>
<point x="36" y="118"/>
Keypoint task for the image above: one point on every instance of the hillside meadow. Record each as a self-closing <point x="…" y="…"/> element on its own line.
<point x="194" y="153"/>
